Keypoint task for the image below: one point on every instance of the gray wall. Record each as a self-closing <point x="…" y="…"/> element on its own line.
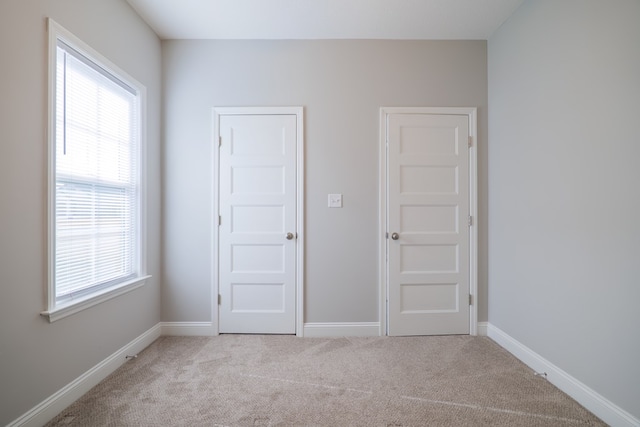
<point x="38" y="358"/>
<point x="564" y="270"/>
<point x="342" y="85"/>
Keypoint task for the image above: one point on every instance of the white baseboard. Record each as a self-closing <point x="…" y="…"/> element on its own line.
<point x="482" y="329"/>
<point x="352" y="329"/>
<point x="190" y="329"/>
<point x="590" y="399"/>
<point x="64" y="397"/>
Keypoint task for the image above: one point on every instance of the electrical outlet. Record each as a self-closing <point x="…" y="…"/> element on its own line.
<point x="335" y="200"/>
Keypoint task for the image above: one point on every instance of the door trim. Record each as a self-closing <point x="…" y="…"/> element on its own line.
<point x="383" y="277"/>
<point x="215" y="208"/>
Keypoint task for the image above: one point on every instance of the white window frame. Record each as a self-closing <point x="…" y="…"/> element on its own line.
<point x="58" y="310"/>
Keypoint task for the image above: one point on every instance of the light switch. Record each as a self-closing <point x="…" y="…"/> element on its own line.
<point x="335" y="200"/>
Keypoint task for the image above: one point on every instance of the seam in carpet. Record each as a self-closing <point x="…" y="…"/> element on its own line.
<point x="306" y="383"/>
<point x="489" y="408"/>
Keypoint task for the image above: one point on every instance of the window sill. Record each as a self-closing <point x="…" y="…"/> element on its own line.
<point x="75" y="306"/>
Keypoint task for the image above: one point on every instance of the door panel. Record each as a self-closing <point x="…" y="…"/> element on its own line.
<point x="428" y="210"/>
<point x="258" y="208"/>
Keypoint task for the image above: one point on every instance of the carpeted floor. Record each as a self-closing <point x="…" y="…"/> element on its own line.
<point x="255" y="380"/>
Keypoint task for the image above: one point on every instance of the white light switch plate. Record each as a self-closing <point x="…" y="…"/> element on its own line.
<point x="335" y="200"/>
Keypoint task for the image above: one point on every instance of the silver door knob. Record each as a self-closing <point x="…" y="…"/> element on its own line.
<point x="395" y="236"/>
<point x="289" y="236"/>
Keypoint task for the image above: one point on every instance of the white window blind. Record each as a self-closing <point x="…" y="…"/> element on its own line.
<point x="96" y="196"/>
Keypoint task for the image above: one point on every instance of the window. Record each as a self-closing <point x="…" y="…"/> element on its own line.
<point x="96" y="202"/>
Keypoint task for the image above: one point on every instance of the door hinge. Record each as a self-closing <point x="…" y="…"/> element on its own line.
<point x="470" y="141"/>
<point x="219" y="299"/>
<point x="219" y="220"/>
<point x="220" y="141"/>
<point x="470" y="221"/>
<point x="470" y="299"/>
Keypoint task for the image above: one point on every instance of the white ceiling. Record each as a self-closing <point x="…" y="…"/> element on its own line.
<point x="325" y="19"/>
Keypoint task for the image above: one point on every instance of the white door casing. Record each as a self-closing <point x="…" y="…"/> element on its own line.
<point x="258" y="244"/>
<point x="428" y="195"/>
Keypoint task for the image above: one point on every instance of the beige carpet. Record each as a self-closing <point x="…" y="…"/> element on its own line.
<point x="254" y="380"/>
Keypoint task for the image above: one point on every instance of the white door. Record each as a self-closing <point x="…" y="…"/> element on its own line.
<point x="428" y="224"/>
<point x="257" y="232"/>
